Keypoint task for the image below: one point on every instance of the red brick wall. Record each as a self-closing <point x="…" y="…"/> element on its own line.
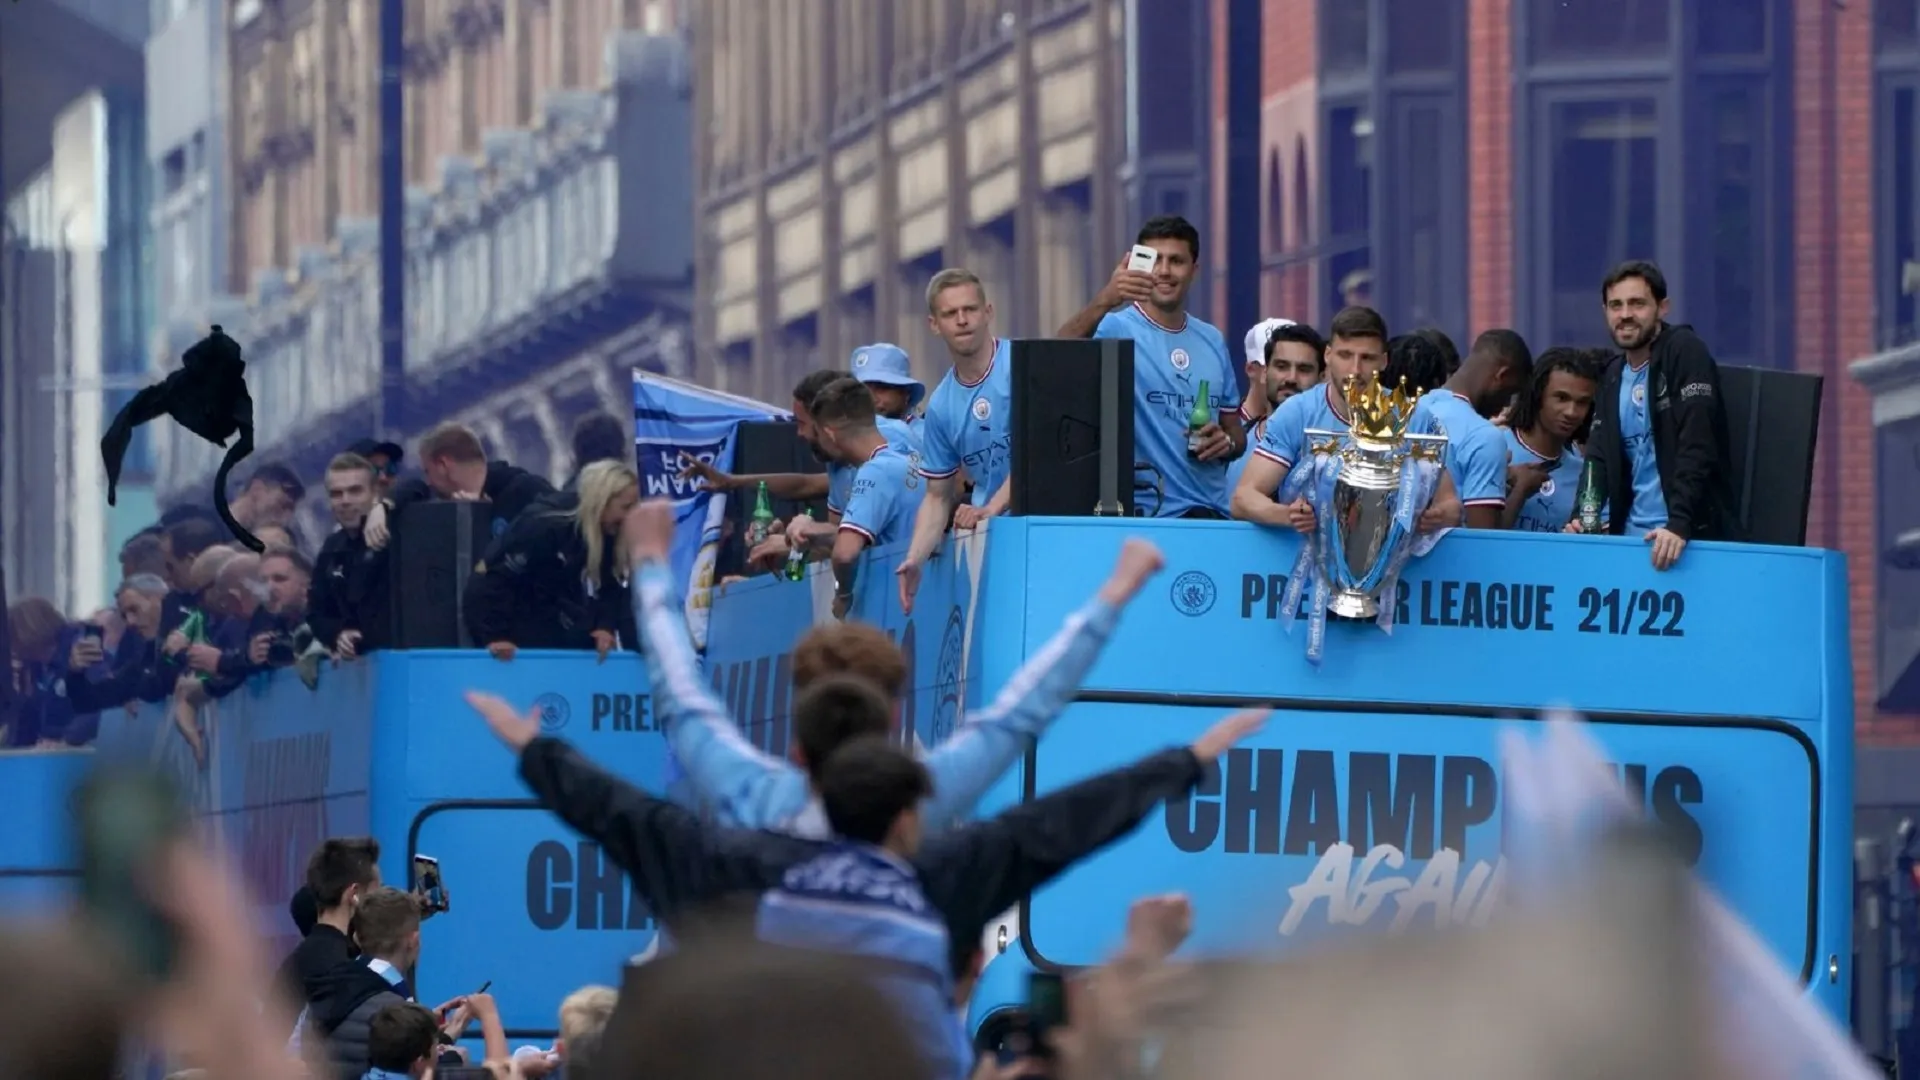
<point x="1490" y="164"/>
<point x="1833" y="301"/>
<point x="1290" y="69"/>
<point x="1289" y="60"/>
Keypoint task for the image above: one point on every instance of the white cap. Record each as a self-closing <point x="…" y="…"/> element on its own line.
<point x="1257" y="339"/>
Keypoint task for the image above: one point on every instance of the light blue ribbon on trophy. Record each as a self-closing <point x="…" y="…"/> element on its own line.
<point x="1314" y="480"/>
<point x="1419" y="478"/>
<point x="1373" y="480"/>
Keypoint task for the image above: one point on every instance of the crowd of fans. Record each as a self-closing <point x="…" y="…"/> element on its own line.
<point x="827" y="916"/>
<point x="196" y="614"/>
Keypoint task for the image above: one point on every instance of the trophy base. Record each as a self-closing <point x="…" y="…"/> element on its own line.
<point x="1350" y="605"/>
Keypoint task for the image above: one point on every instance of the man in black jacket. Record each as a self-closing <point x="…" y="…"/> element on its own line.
<point x="1659" y="424"/>
<point x="972" y="874"/>
<point x="454" y="465"/>
<point x="339" y="873"/>
<point x="348" y="604"/>
<point x="386" y="925"/>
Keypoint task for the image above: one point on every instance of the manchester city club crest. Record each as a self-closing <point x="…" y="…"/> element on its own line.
<point x="1180" y="359"/>
<point x="982" y="408"/>
<point x="1193" y="593"/>
<point x="554" y="711"/>
<point x="1640" y="393"/>
<point x="860" y="358"/>
<point x="1547" y="487"/>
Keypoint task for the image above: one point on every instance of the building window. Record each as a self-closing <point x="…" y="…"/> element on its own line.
<point x="1734" y="213"/>
<point x="1276" y="205"/>
<point x="1897" y="465"/>
<point x="1899" y="213"/>
<point x="1731" y="28"/>
<point x="1577" y="29"/>
<point x="1896" y="24"/>
<point x="1421" y="36"/>
<point x="1424" y="286"/>
<point x="1349" y="199"/>
<point x="1603" y="205"/>
<point x="1302" y="195"/>
<point x="1345" y="35"/>
<point x="1390" y="231"/>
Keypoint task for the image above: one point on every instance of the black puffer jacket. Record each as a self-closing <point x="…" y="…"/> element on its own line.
<point x="344" y="1004"/>
<point x="1690" y="442"/>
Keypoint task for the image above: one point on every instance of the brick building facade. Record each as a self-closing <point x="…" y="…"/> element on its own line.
<point x="1478" y="163"/>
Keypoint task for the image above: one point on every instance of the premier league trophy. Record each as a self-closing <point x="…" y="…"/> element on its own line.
<point x="1367" y="486"/>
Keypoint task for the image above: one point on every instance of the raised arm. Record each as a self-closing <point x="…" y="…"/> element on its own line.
<point x="1124" y="287"/>
<point x="798" y="487"/>
<point x="983" y="748"/>
<point x="744" y="785"/>
<point x="980" y="870"/>
<point x="741" y="783"/>
<point x="674" y="861"/>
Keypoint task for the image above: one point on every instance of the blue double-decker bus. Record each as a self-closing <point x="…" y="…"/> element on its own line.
<point x="1373" y="798"/>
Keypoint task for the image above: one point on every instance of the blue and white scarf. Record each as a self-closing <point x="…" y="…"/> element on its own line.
<point x="867" y="902"/>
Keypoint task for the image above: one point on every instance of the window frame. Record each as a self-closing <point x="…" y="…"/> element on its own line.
<point x="1900" y="437"/>
<point x="1772" y="246"/>
<point x="1383" y="94"/>
<point x="1332" y="244"/>
<point x="1534" y="250"/>
<point x="1889" y="80"/>
<point x="1528" y="54"/>
<point x="1394" y="207"/>
<point x="1680" y="78"/>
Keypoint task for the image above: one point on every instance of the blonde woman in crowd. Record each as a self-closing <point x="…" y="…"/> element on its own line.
<point x="555" y="579"/>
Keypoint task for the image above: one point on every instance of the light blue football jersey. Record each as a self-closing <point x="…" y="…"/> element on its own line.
<point x="966" y="426"/>
<point x="1168" y="368"/>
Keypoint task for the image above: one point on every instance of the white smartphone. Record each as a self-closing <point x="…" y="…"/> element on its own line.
<point x="1142" y="258"/>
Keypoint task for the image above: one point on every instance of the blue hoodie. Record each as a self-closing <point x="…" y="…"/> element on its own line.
<point x="751" y="789"/>
<point x="865" y="901"/>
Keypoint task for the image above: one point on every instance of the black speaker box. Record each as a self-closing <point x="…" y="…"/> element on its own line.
<point x="435" y="546"/>
<point x="1773" y="424"/>
<point x="763" y="447"/>
<point x="1072" y="427"/>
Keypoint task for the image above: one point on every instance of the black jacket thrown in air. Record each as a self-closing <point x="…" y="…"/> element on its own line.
<point x="971" y="874"/>
<point x="1689" y="422"/>
<point x="529" y="588"/>
<point x="349" y="591"/>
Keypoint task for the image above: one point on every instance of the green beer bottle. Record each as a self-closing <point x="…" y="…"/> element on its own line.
<point x="760" y="525"/>
<point x="1589" y="502"/>
<point x="1200" y="417"/>
<point x="194" y="629"/>
<point x="797" y="559"/>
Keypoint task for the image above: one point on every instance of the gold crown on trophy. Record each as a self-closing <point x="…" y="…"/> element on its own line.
<point x="1376" y="415"/>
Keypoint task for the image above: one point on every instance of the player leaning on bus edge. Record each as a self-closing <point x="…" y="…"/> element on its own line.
<point x="1659" y="423"/>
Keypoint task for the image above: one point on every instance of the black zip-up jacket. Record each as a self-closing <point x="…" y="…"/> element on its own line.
<point x="139" y="672"/>
<point x="529" y="588"/>
<point x="233" y="636"/>
<point x="677" y="863"/>
<point x="312" y="963"/>
<point x="349" y="591"/>
<point x="1689" y="421"/>
<point x="341" y="1006"/>
<point x="509" y="488"/>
